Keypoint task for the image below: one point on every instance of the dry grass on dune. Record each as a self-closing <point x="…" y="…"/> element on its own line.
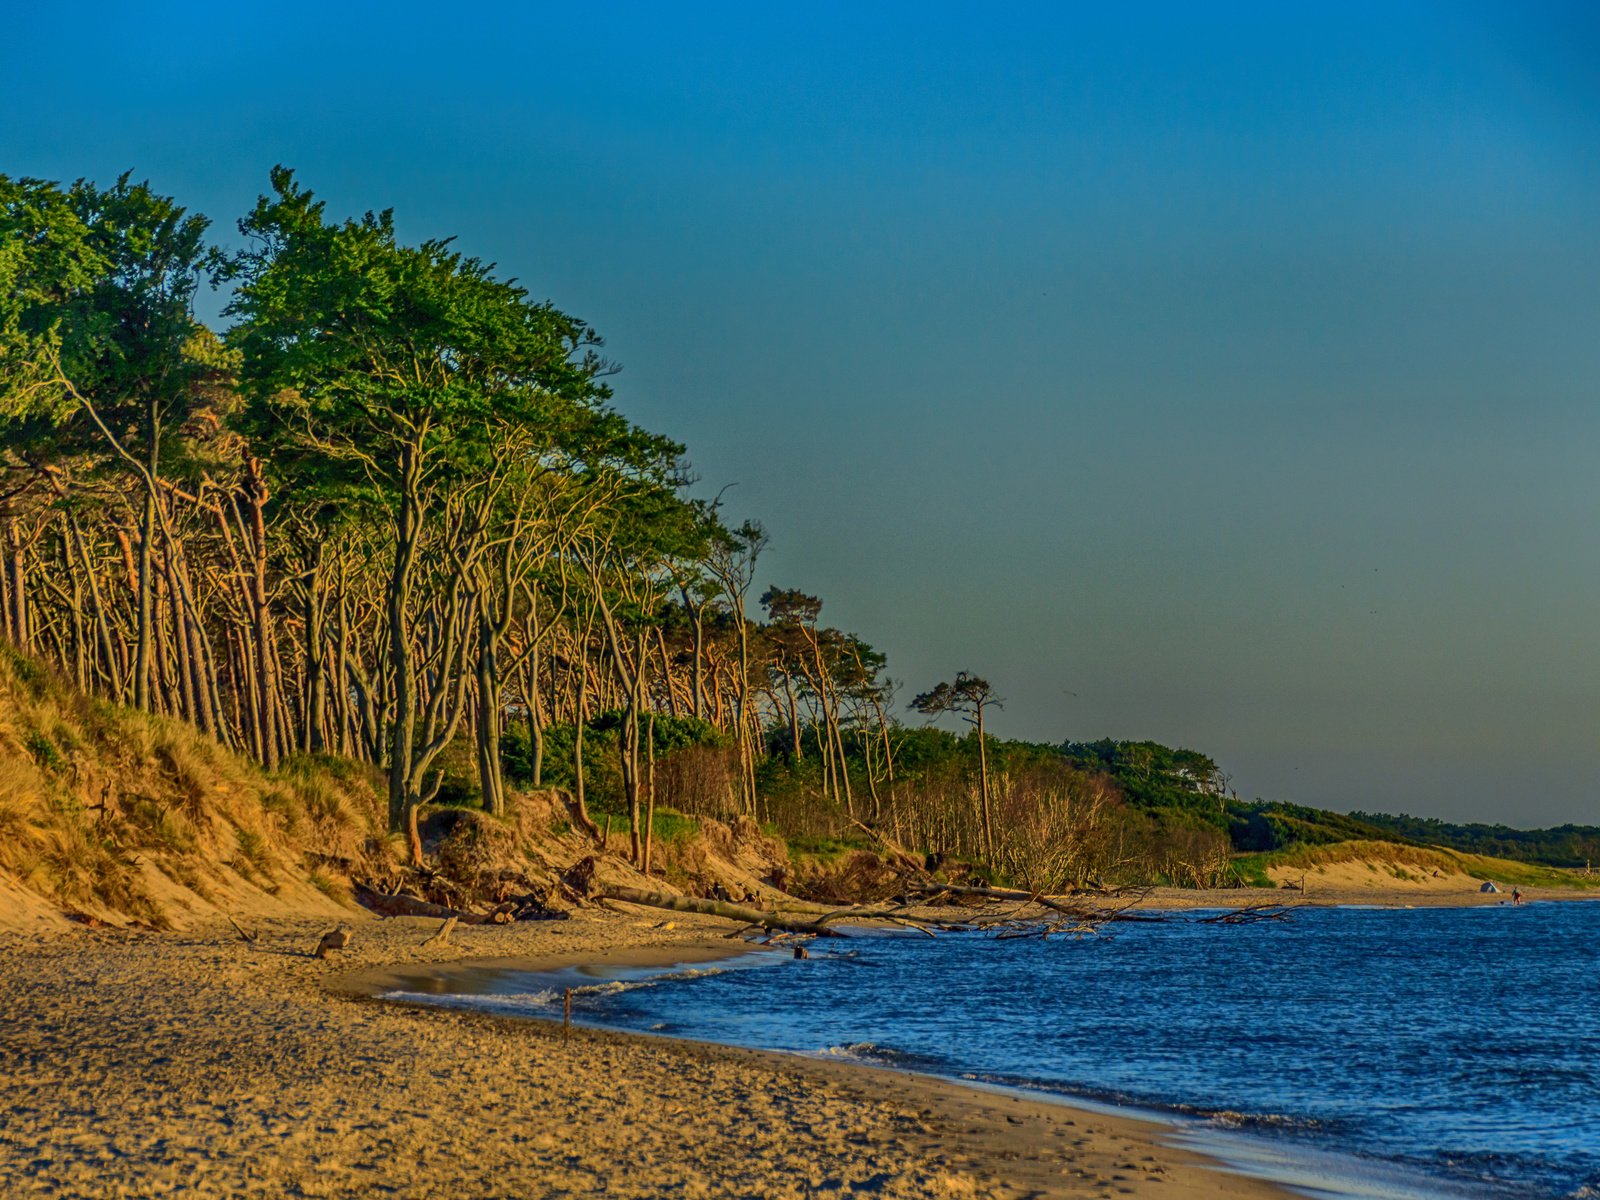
<point x="1395" y="862"/>
<point x="121" y="815"/>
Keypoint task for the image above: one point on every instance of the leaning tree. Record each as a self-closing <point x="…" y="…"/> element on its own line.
<point x="968" y="696"/>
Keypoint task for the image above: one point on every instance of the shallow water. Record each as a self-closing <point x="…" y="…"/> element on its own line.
<point x="1454" y="1049"/>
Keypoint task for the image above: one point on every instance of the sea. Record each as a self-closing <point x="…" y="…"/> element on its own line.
<point x="1408" y="1054"/>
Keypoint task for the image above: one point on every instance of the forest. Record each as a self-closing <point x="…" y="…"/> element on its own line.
<point x="389" y="512"/>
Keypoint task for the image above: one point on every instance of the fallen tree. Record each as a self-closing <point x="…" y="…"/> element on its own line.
<point x="716" y="908"/>
<point x="399" y="904"/>
<point x="1251" y="913"/>
<point x="528" y="907"/>
<point x="1070" y="906"/>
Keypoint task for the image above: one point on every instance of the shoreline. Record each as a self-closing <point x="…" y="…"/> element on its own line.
<point x="193" y="1064"/>
<point x="1171" y="1134"/>
<point x="1231" y="1154"/>
<point x="1375" y="895"/>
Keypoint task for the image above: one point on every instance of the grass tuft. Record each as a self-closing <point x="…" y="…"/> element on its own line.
<point x="44" y="751"/>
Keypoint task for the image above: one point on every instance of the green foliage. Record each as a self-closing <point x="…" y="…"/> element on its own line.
<point x="1561" y="846"/>
<point x="824" y="849"/>
<point x="1250" y="870"/>
<point x="966" y="694"/>
<point x="448" y="442"/>
<point x="46" y="265"/>
<point x="27" y="671"/>
<point x="1265" y="826"/>
<point x="602" y="774"/>
<point x="44" y="751"/>
<point x="457" y="770"/>
<point x="669" y="733"/>
<point x="677" y="733"/>
<point x="371" y="361"/>
<point x="99" y="349"/>
<point x="668" y="825"/>
<point x="1154" y="776"/>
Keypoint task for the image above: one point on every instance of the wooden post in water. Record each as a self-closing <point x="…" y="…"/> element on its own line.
<point x="566" y="1022"/>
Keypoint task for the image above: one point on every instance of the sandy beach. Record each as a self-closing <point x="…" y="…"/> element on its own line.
<point x="193" y="1064"/>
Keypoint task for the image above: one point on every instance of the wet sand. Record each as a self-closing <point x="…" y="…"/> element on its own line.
<point x="196" y="1065"/>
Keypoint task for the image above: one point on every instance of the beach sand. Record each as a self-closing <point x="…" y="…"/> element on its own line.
<point x="192" y="1064"/>
<point x="1356" y="884"/>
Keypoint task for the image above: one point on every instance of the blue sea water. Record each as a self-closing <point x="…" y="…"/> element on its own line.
<point x="1457" y="1048"/>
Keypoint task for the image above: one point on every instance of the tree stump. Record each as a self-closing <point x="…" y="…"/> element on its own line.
<point x="334" y="939"/>
<point x="441" y="936"/>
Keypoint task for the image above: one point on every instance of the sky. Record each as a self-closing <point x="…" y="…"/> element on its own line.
<point x="1219" y="374"/>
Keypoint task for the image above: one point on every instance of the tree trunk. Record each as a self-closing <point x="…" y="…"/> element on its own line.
<point x="491" y="778"/>
<point x="314" y="731"/>
<point x="404" y="727"/>
<point x="650" y="793"/>
<point x="983" y="776"/>
<point x="16" y="582"/>
<point x="535" y="718"/>
<point x="794" y="718"/>
<point x="580" y="805"/>
<point x="266" y="666"/>
<point x="145" y="634"/>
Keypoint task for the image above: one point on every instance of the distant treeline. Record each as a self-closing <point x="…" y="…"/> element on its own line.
<point x="1561" y="846"/>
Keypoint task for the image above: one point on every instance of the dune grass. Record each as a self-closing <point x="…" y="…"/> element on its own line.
<point x="93" y="795"/>
<point x="1405" y="863"/>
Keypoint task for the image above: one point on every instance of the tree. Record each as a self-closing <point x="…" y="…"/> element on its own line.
<point x="628" y="566"/>
<point x="967" y="696"/>
<point x="382" y="371"/>
<point x="46" y="264"/>
<point x="101" y="340"/>
<point x="732" y="560"/>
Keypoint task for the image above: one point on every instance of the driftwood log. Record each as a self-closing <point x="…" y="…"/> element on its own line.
<point x="776" y="921"/>
<point x="401" y="905"/>
<point x="1067" y="906"/>
<point x="1072" y="915"/>
<point x="1251" y="913"/>
<point x="716" y="908"/>
<point x="248" y="938"/>
<point x="441" y="936"/>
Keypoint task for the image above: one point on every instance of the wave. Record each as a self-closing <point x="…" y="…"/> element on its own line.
<point x="502" y="1002"/>
<point x="1228" y="1119"/>
<point x="866" y="1052"/>
<point x="537" y="1001"/>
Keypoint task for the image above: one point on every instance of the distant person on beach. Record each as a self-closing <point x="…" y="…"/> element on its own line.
<point x="1516" y="895"/>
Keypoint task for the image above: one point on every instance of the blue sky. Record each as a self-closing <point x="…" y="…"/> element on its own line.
<point x="1221" y="374"/>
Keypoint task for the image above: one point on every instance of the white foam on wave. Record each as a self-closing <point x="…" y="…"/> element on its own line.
<point x="544" y="998"/>
<point x="512" y="1002"/>
<point x="864" y="1052"/>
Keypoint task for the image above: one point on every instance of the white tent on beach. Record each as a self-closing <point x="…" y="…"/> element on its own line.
<point x="1488" y="886"/>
